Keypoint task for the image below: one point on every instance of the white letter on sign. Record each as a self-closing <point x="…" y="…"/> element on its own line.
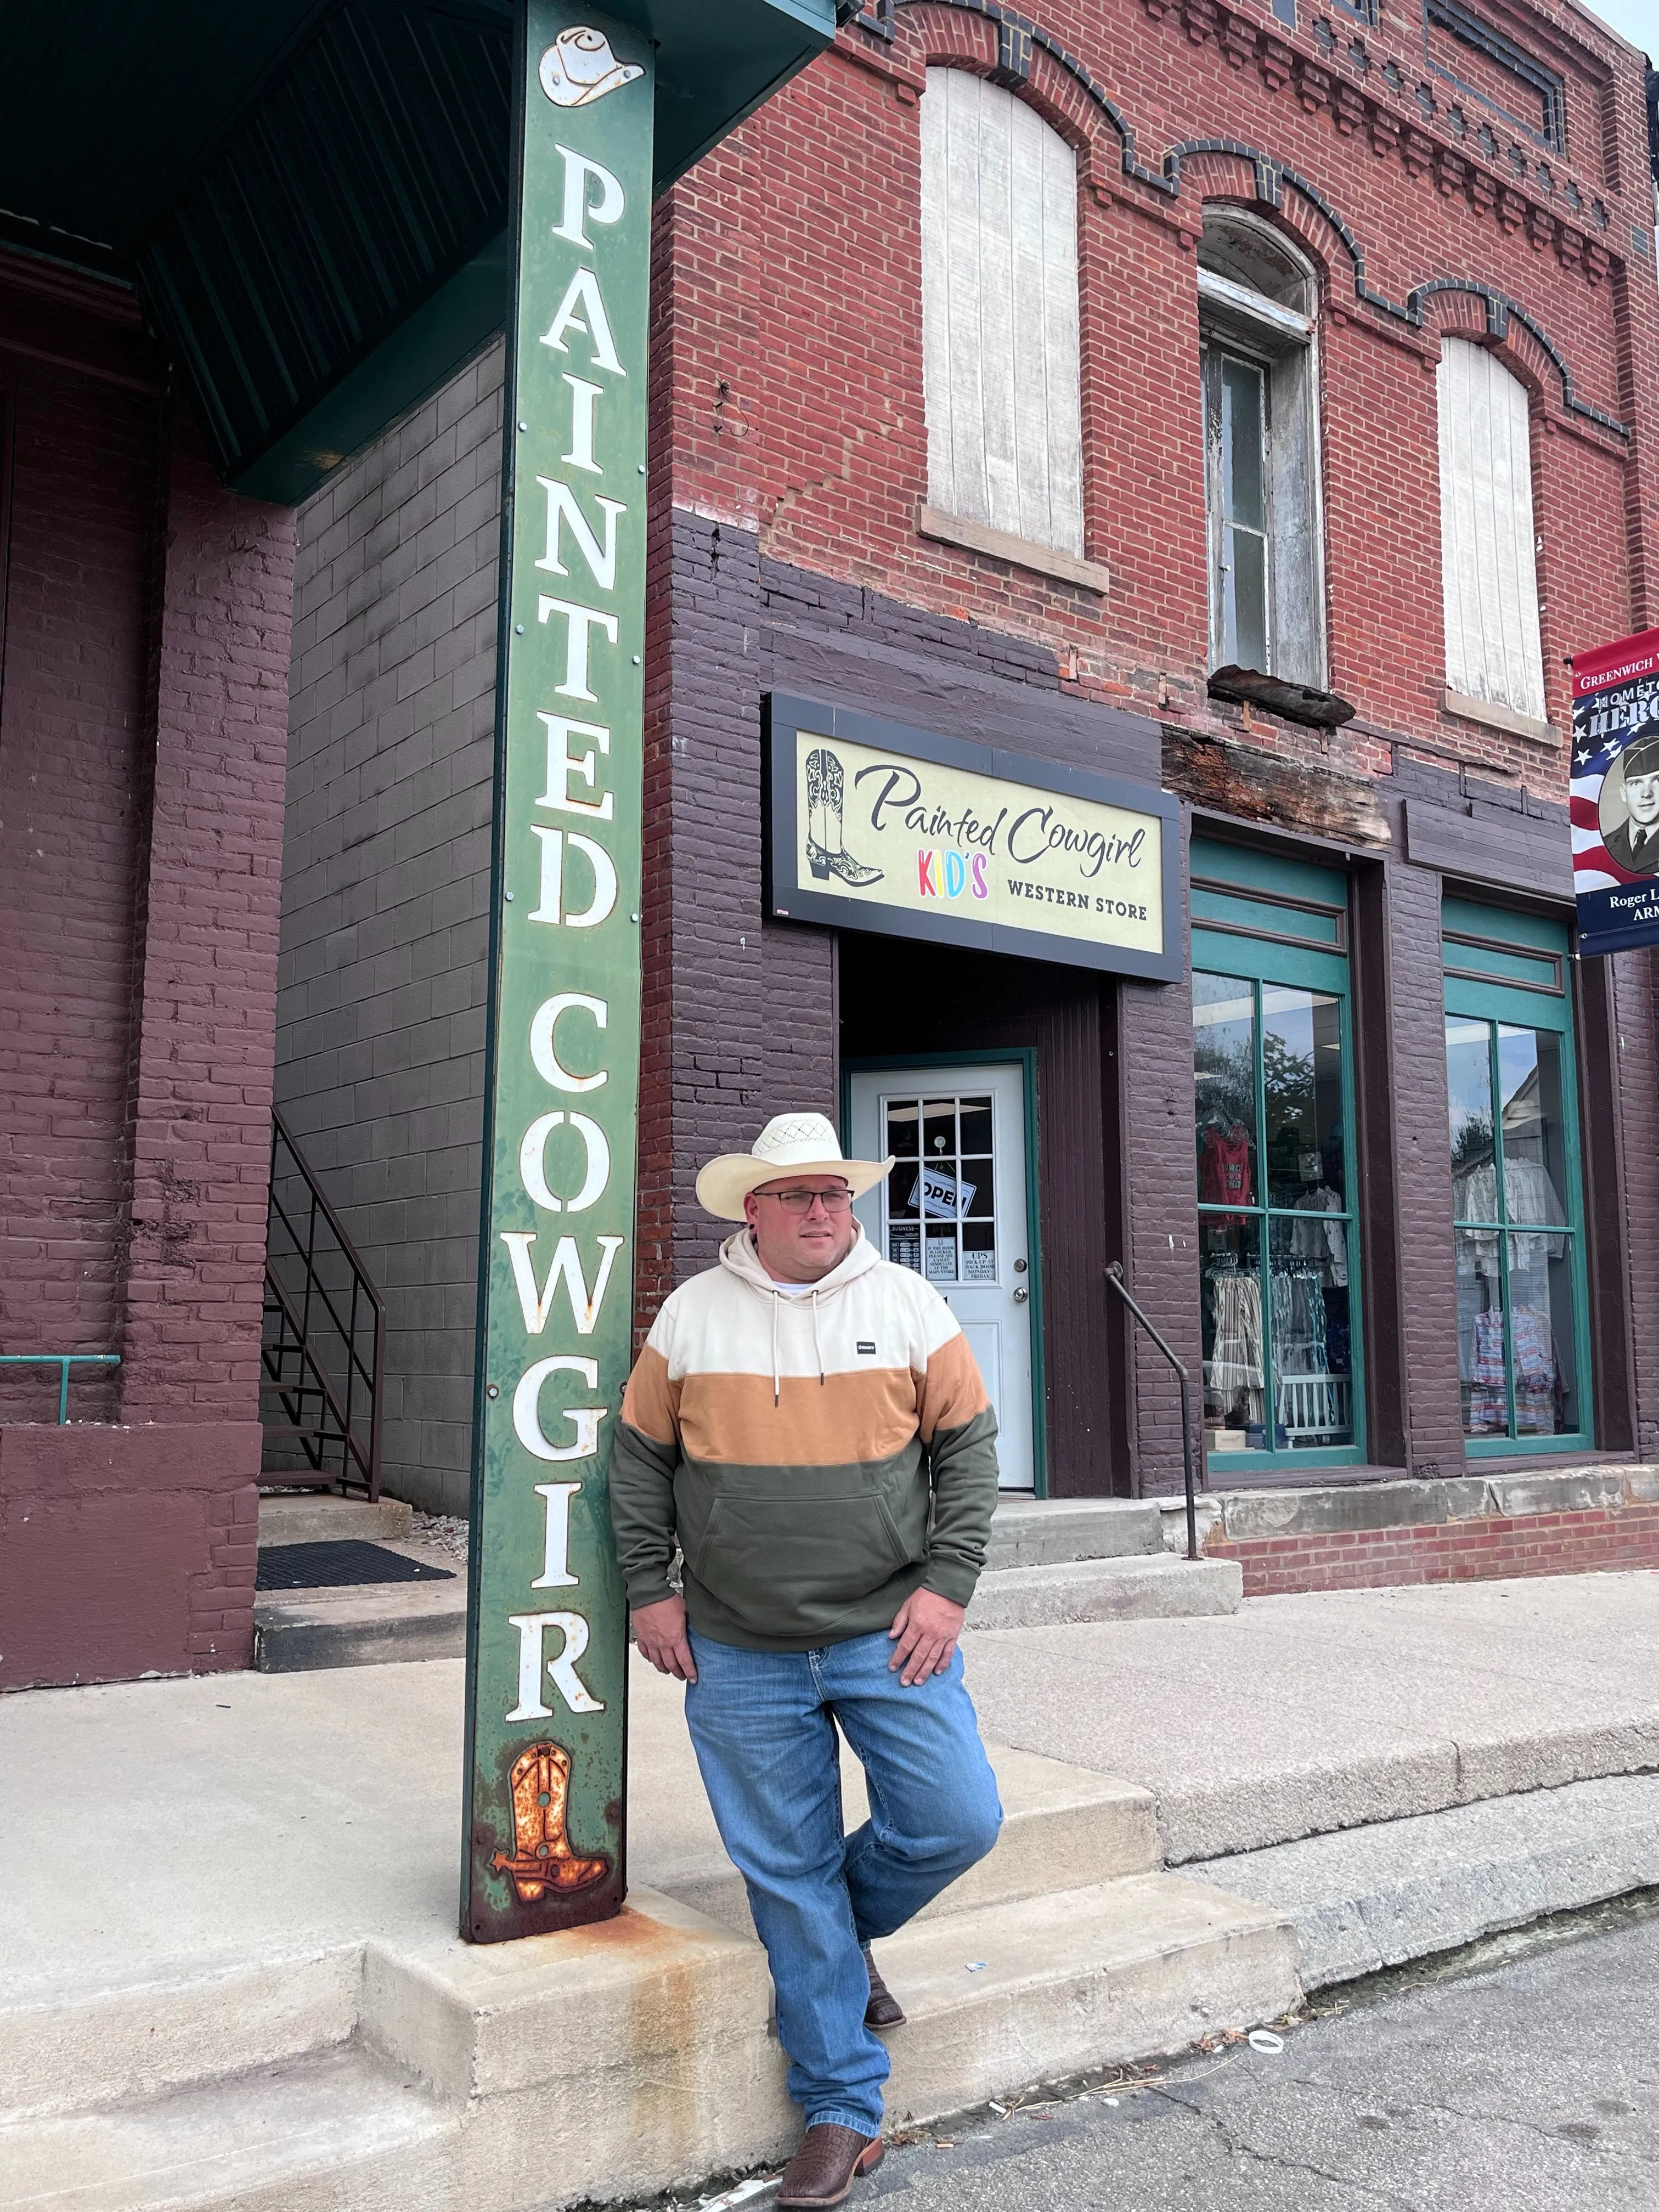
<point x="562" y="764"/>
<point x="550" y="907"/>
<point x="561" y="508"/>
<point x="526" y="1419"/>
<point x="542" y="1027"/>
<point x="537" y="1305"/>
<point x="581" y="295"/>
<point x="581" y="621"/>
<point x="607" y="208"/>
<point x="556" y="1549"/>
<point x="566" y="1681"/>
<point x="534" y="1168"/>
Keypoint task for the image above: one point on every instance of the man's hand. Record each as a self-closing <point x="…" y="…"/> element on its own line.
<point x="660" y="1631"/>
<point x="926" y="1632"/>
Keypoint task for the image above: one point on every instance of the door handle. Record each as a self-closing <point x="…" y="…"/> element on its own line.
<point x="1020" y="1297"/>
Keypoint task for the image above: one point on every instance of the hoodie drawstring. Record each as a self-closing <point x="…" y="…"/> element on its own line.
<point x="818" y="1345"/>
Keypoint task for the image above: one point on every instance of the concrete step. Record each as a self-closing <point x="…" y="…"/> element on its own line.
<point x="1160" y="1589"/>
<point x="1049" y="1532"/>
<point x="315" y="1517"/>
<point x="344" y="2128"/>
<point x="1011" y="1995"/>
<point x="367" y="1625"/>
<point x="1063" y="1826"/>
<point x="620" y="2060"/>
<point x="1367" y="1898"/>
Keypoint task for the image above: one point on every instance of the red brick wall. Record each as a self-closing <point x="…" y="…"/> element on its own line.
<point x="796" y="369"/>
<point x="1446" y="1551"/>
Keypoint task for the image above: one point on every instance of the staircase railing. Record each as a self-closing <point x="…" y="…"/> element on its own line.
<point x="323" y="1353"/>
<point x="1114" y="1277"/>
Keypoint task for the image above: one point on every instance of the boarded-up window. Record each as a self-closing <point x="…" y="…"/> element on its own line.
<point x="1000" y="313"/>
<point x="1489" y="571"/>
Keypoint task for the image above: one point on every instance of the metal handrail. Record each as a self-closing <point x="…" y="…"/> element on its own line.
<point x="62" y="1361"/>
<point x="336" y="1396"/>
<point x="1114" y="1277"/>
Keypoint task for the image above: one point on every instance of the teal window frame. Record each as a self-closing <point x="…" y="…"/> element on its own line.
<point x="1503" y="966"/>
<point x="1268" y="920"/>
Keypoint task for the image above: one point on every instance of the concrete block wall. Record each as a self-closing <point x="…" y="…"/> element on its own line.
<point x="381" y="986"/>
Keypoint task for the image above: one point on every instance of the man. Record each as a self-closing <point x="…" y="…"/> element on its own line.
<point x="1634" y="844"/>
<point x="807" y="1423"/>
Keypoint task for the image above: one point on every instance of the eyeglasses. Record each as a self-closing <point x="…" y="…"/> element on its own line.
<point x="800" y="1202"/>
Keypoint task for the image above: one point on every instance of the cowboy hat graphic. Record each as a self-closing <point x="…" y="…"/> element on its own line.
<point x="579" y="68"/>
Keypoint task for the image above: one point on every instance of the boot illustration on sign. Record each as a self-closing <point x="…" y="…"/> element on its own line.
<point x="542" y="1859"/>
<point x="826" y="785"/>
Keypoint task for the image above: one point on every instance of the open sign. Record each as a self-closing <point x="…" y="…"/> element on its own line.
<point x="937" y="1194"/>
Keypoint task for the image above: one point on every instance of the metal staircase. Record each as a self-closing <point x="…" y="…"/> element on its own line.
<point x="323" y="1345"/>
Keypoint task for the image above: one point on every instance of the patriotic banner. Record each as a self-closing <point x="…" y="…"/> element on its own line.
<point x="1615" y="794"/>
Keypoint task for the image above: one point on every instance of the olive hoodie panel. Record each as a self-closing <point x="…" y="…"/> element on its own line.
<point x="816" y="1458"/>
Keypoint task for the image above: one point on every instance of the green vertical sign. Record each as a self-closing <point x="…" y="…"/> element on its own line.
<point x="547" y="1651"/>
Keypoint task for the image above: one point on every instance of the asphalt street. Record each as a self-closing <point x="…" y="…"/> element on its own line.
<point x="1529" y="2085"/>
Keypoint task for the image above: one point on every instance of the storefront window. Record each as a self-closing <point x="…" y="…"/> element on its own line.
<point x="1274" y="1143"/>
<point x="1515" y="1186"/>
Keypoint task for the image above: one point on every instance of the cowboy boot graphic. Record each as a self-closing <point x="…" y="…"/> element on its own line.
<point x="542" y="1859"/>
<point x="825" y="795"/>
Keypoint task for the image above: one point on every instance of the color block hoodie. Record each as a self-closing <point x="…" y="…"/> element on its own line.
<point x="816" y="1457"/>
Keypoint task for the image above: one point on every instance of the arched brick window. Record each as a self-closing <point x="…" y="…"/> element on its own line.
<point x="1489" y="568"/>
<point x="1000" y="313"/>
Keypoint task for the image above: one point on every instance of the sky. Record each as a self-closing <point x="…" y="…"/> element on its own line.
<point x="1635" y="20"/>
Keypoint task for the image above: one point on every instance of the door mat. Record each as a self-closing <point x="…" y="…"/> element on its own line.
<point x="339" y="1564"/>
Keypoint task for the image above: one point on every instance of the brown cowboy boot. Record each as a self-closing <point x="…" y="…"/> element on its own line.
<point x="884" y="2009"/>
<point x="542" y="1859"/>
<point x="828" y="2161"/>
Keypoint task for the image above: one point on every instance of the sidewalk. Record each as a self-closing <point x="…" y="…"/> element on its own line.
<point x="243" y="1864"/>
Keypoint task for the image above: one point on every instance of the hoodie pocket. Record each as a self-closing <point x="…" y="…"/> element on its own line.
<point x="783" y="1563"/>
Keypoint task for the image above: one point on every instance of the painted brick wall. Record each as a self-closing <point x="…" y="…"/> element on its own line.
<point x="72" y="715"/>
<point x="797" y="395"/>
<point x="381" y="996"/>
<point x="142" y="759"/>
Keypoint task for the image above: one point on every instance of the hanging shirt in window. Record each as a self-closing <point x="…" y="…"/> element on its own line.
<point x="1224" y="1166"/>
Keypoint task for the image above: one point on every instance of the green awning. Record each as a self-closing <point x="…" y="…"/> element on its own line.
<point x="312" y="198"/>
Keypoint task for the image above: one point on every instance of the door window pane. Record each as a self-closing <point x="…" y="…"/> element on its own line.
<point x="1516" y="1259"/>
<point x="1276" y="1241"/>
<point x="941" y="1200"/>
<point x="1302" y="1077"/>
<point x="1229" y="1259"/>
<point x="1223" y="1074"/>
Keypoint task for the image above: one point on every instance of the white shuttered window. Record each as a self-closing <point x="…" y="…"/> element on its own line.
<point x="1000" y="313"/>
<point x="1489" y="571"/>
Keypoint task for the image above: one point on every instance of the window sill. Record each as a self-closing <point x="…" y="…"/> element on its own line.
<point x="1499" y="718"/>
<point x="1004" y="546"/>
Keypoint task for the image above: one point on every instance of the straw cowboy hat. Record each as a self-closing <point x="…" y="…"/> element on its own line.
<point x="790" y="1144"/>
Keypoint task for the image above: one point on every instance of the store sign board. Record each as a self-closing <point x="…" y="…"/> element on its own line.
<point x="871" y="825"/>
<point x="547" y="1649"/>
<point x="1615" y="794"/>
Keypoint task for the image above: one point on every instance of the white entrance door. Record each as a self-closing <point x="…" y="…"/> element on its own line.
<point x="954" y="1209"/>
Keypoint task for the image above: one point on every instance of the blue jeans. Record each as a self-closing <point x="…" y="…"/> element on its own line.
<point x="764" y="1727"/>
